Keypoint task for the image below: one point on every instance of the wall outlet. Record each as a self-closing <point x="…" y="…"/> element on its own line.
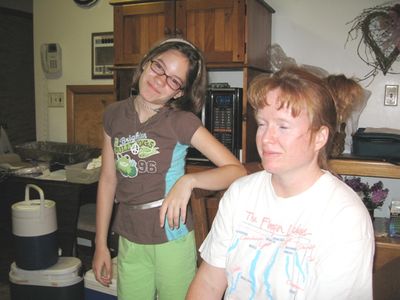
<point x="56" y="100"/>
<point x="391" y="95"/>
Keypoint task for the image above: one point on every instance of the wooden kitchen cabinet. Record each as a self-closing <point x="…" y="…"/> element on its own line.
<point x="85" y="108"/>
<point x="139" y="26"/>
<point x="231" y="33"/>
<point x="386" y="250"/>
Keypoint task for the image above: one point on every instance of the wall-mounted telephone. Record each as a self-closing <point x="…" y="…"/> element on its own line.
<point x="51" y="58"/>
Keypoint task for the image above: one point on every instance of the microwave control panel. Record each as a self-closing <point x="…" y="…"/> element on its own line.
<point x="223" y="119"/>
<point x="222" y="116"/>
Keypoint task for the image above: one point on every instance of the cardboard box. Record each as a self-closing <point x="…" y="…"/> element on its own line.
<point x="78" y="173"/>
<point x="61" y="281"/>
<point x="96" y="291"/>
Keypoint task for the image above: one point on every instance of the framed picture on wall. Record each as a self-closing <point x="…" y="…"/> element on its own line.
<point x="102" y="55"/>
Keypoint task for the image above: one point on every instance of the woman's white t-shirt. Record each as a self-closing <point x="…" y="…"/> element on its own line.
<point x="316" y="245"/>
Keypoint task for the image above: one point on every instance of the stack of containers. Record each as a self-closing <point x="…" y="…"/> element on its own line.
<point x="38" y="273"/>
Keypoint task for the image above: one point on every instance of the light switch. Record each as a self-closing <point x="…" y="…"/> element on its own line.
<point x="391" y="95"/>
<point x="56" y="100"/>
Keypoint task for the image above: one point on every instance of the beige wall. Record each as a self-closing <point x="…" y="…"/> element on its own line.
<point x="63" y="22"/>
<point x="314" y="32"/>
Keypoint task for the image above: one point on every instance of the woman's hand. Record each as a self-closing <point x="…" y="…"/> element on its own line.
<point x="175" y="204"/>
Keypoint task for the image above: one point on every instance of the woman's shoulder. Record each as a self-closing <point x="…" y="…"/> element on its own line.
<point x="251" y="180"/>
<point x="335" y="183"/>
<point x="246" y="191"/>
<point x="338" y="193"/>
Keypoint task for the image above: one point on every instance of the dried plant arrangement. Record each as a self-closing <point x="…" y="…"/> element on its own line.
<point x="380" y="34"/>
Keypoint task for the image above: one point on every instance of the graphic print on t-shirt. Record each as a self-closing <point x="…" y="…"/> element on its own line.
<point x="270" y="250"/>
<point x="132" y="153"/>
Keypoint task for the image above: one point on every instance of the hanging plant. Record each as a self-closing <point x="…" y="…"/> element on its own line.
<point x="380" y="33"/>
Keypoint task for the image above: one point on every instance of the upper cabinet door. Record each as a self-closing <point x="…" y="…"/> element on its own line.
<point x="231" y="33"/>
<point x="217" y="27"/>
<point x="137" y="27"/>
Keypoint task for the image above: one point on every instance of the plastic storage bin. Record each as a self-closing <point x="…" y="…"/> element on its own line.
<point x="95" y="291"/>
<point x="62" y="281"/>
<point x="77" y="173"/>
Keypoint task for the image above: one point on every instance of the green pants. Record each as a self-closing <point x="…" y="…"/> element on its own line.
<point x="163" y="270"/>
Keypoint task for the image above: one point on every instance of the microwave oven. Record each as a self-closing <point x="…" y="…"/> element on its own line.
<point x="222" y="116"/>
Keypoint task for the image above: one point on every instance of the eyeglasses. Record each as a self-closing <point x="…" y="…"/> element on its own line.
<point x="173" y="82"/>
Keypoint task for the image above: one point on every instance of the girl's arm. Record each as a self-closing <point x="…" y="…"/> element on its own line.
<point x="228" y="169"/>
<point x="101" y="264"/>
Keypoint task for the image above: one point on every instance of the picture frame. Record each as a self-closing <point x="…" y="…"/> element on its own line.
<point x="102" y="55"/>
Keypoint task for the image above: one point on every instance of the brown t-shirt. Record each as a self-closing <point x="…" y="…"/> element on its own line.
<point x="150" y="158"/>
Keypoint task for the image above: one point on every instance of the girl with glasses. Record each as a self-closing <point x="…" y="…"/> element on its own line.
<point x="143" y="170"/>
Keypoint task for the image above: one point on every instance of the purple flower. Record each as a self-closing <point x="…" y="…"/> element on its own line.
<point x="377" y="186"/>
<point x="356" y="184"/>
<point x="379" y="196"/>
<point x="373" y="196"/>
